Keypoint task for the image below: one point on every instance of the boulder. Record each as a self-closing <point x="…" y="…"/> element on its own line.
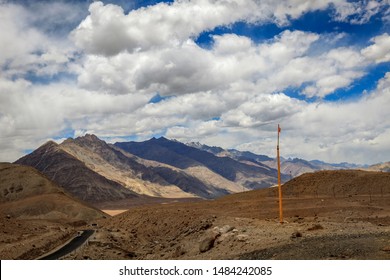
<point x="207" y="243"/>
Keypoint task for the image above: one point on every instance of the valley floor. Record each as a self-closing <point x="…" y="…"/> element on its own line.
<point x="240" y="226"/>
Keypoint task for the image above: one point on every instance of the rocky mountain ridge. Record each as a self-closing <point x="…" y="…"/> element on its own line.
<point x="291" y="167"/>
<point x="95" y="171"/>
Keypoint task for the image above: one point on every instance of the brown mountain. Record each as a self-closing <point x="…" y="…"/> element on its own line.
<point x="147" y="178"/>
<point x="27" y="194"/>
<point x="95" y="171"/>
<point x="73" y="175"/>
<point x="243" y="175"/>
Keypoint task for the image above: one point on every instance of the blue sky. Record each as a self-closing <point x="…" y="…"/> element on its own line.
<point x="223" y="73"/>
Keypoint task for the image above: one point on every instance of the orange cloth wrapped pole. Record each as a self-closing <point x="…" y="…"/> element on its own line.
<point x="279" y="182"/>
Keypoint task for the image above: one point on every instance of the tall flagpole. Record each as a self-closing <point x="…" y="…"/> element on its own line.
<point x="279" y="183"/>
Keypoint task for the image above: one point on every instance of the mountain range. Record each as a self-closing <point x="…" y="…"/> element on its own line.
<point x="291" y="166"/>
<point x="94" y="171"/>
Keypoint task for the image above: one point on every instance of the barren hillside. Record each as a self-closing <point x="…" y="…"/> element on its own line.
<point x="327" y="215"/>
<point x="26" y="193"/>
<point x="73" y="175"/>
<point x="35" y="214"/>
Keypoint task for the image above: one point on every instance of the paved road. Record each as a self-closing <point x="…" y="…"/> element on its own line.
<point x="70" y="247"/>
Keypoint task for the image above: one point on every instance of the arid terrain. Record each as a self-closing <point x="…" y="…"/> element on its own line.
<point x="35" y="214"/>
<point x="327" y="215"/>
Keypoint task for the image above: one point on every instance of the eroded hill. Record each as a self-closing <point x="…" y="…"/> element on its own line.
<point x="35" y="214"/>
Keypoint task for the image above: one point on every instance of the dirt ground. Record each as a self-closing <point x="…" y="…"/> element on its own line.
<point x="246" y="226"/>
<point x="29" y="239"/>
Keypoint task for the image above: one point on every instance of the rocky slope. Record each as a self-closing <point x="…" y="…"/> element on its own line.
<point x="121" y="167"/>
<point x="73" y="175"/>
<point x="26" y="193"/>
<point x="184" y="157"/>
<point x="146" y="177"/>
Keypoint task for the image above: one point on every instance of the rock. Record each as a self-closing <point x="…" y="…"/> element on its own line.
<point x="242" y="237"/>
<point x="216" y="230"/>
<point x="179" y="251"/>
<point x="296" y="234"/>
<point x="207" y="243"/>
<point x="226" y="229"/>
<point x="315" y="227"/>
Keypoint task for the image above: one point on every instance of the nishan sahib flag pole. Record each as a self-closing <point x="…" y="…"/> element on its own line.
<point x="279" y="183"/>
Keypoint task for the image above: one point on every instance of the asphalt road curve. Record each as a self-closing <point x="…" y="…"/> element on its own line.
<point x="70" y="247"/>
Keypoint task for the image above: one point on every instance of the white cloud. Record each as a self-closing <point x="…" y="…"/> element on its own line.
<point x="261" y="110"/>
<point x="355" y="131"/>
<point x="230" y="94"/>
<point x="187" y="68"/>
<point x="16" y="33"/>
<point x="42" y="55"/>
<point x="380" y="50"/>
<point x="231" y="44"/>
<point x="325" y="73"/>
<point x="109" y="31"/>
<point x="360" y="12"/>
<point x="31" y="114"/>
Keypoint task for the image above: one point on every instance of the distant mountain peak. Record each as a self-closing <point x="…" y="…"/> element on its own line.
<point x="50" y="143"/>
<point x="48" y="146"/>
<point x="89" y="140"/>
<point x="89" y="137"/>
<point x="162" y="138"/>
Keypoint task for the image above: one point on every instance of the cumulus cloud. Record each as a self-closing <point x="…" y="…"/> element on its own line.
<point x="325" y="73"/>
<point x="337" y="130"/>
<point x="380" y="50"/>
<point x="188" y="68"/>
<point x="151" y="52"/>
<point x="109" y="31"/>
<point x="261" y="110"/>
<point x="42" y="55"/>
<point x="354" y="131"/>
<point x="31" y="114"/>
<point x="360" y="12"/>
